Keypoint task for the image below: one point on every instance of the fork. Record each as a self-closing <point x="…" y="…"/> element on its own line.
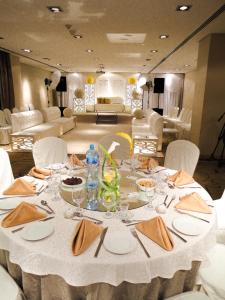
<point x="134" y="233"/>
<point x="172" y="199"/>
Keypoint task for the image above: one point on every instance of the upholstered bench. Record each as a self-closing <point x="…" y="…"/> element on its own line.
<point x="28" y="127"/>
<point x="52" y="115"/>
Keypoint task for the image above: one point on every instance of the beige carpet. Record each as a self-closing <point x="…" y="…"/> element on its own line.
<point x="86" y="133"/>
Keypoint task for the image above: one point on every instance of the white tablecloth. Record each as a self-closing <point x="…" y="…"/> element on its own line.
<point x="53" y="254"/>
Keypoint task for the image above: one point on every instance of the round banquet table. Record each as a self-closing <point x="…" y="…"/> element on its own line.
<point x="46" y="269"/>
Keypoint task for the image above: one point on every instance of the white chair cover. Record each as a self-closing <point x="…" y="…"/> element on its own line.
<point x="189" y="296"/>
<point x="6" y="175"/>
<point x="15" y="110"/>
<point x="213" y="276"/>
<point x="24" y="108"/>
<point x="220" y="210"/>
<point x="48" y="151"/>
<point x="182" y="154"/>
<point x="7" y="114"/>
<point x="121" y="152"/>
<point x="2" y="119"/>
<point x="8" y="287"/>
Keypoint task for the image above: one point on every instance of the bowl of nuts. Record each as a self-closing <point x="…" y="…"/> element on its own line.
<point x="146" y="184"/>
<point x="73" y="182"/>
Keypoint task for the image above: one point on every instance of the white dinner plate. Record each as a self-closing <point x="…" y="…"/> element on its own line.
<point x="37" y="231"/>
<point x="10" y="203"/>
<point x="188" y="225"/>
<point x="120" y="242"/>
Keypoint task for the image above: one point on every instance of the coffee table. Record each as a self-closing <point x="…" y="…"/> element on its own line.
<point x="107" y="117"/>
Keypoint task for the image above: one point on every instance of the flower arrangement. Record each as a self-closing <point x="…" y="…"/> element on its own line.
<point x="79" y="93"/>
<point x="90" y="79"/>
<point x="109" y="180"/>
<point x="136" y="95"/>
<point x="132" y="80"/>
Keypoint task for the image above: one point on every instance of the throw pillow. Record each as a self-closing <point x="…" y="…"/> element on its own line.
<point x="107" y="101"/>
<point x="90" y="108"/>
<point x="138" y="113"/>
<point x="100" y="100"/>
<point x="67" y="112"/>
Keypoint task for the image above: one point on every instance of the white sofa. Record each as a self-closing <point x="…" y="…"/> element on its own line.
<point x="52" y="115"/>
<point x="151" y="126"/>
<point x="115" y="105"/>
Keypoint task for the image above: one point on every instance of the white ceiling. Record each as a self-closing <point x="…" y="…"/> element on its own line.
<point x="29" y="24"/>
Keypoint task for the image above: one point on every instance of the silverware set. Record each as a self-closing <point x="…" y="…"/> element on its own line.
<point x="101" y="241"/>
<point x="134" y="233"/>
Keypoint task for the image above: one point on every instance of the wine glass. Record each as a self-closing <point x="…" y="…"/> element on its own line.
<point x="108" y="200"/>
<point x="150" y="196"/>
<point x="78" y="197"/>
<point x="54" y="184"/>
<point x="162" y="186"/>
<point x="134" y="163"/>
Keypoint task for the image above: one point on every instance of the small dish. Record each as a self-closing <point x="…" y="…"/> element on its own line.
<point x="146" y="184"/>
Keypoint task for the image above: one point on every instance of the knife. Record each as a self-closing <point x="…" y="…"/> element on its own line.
<point x="43" y="220"/>
<point x="101" y="241"/>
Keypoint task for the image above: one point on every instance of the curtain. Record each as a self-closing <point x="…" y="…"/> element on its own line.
<point x="173" y="93"/>
<point x="7" y="99"/>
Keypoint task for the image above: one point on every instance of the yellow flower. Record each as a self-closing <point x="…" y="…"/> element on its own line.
<point x="129" y="139"/>
<point x="132" y="80"/>
<point x="90" y="79"/>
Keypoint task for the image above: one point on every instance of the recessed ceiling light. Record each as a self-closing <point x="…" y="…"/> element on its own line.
<point x="187" y="66"/>
<point x="46" y="58"/>
<point x="148" y="59"/>
<point x="163" y="36"/>
<point x="89" y="50"/>
<point x="154" y="51"/>
<point x="78" y="36"/>
<point x="54" y="9"/>
<point x="183" y="7"/>
<point x="27" y="50"/>
<point x="59" y="65"/>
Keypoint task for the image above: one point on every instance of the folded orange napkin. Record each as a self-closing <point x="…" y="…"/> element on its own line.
<point x="23" y="213"/>
<point x="148" y="163"/>
<point x="180" y="178"/>
<point x="86" y="232"/>
<point x="193" y="202"/>
<point x="20" y="187"/>
<point x="39" y="172"/>
<point x="156" y="230"/>
<point x="75" y="161"/>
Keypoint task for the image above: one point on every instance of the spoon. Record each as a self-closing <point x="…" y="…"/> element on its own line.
<point x="45" y="203"/>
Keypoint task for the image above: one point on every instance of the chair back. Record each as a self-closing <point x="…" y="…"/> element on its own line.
<point x="2" y="118"/>
<point x="6" y="174"/>
<point x="182" y="154"/>
<point x="121" y="152"/>
<point x="15" y="110"/>
<point x="7" y="114"/>
<point x="49" y="150"/>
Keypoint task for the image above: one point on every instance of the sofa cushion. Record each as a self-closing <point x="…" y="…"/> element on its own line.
<point x="90" y="108"/>
<point x="67" y="112"/>
<point x="43" y="130"/>
<point x="51" y="113"/>
<point x="26" y="119"/>
<point x="109" y="107"/>
<point x="65" y="124"/>
<point x="138" y="114"/>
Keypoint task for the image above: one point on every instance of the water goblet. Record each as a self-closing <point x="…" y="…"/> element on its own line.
<point x="78" y="196"/>
<point x="54" y="185"/>
<point x="108" y="200"/>
<point x="123" y="211"/>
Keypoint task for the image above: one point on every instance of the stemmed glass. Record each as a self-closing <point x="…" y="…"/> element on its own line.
<point x="109" y="201"/>
<point x="55" y="181"/>
<point x="150" y="196"/>
<point x="162" y="186"/>
<point x="78" y="197"/>
<point x="134" y="164"/>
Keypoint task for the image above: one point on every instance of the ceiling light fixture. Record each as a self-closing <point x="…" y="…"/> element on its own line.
<point x="187" y="66"/>
<point x="46" y="58"/>
<point x="183" y="7"/>
<point x="163" y="36"/>
<point x="89" y="50"/>
<point x="59" y="65"/>
<point x="55" y="9"/>
<point x="27" y="50"/>
<point x="78" y="36"/>
<point x="154" y="51"/>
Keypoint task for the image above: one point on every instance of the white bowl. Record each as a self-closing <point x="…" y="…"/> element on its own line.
<point x="146" y="188"/>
